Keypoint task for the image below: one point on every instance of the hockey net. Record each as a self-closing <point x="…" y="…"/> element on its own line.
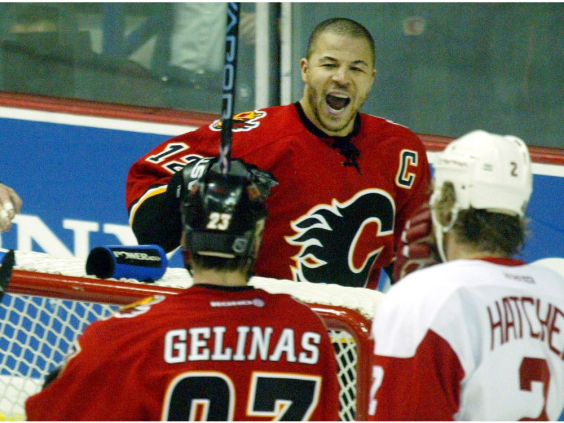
<point x="51" y="300"/>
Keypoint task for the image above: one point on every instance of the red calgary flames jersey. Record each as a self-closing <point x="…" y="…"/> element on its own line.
<point x="210" y="353"/>
<point x="332" y="219"/>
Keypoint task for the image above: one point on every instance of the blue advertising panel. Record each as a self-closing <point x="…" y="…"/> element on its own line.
<point x="72" y="181"/>
<point x="71" y="174"/>
<point x="71" y="177"/>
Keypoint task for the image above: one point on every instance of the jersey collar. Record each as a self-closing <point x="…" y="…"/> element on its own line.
<point x="224" y="288"/>
<point x="343" y="144"/>
<point x="503" y="261"/>
<point x="318" y="132"/>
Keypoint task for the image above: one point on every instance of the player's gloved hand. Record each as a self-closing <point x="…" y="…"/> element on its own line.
<point x="183" y="179"/>
<point x="10" y="205"/>
<point x="263" y="179"/>
<point x="417" y="246"/>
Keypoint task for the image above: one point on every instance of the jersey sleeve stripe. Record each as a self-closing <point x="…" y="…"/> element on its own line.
<point x="150" y="193"/>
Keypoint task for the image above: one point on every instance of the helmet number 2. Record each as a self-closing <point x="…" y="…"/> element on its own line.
<point x="219" y="221"/>
<point x="514" y="169"/>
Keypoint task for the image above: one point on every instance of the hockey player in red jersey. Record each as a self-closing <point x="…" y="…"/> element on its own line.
<point x="348" y="181"/>
<point x="221" y="350"/>
<point x="481" y="336"/>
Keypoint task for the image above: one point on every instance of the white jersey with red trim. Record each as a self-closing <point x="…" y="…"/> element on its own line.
<point x="471" y="340"/>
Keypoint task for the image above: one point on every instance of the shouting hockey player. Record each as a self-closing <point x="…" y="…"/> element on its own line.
<point x="348" y="181"/>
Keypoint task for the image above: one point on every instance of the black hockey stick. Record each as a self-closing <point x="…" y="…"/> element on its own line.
<point x="6" y="272"/>
<point x="229" y="79"/>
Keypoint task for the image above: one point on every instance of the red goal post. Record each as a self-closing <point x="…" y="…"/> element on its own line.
<point x="51" y="300"/>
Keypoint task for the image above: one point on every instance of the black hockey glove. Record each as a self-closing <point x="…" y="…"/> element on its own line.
<point x="6" y="272"/>
<point x="182" y="180"/>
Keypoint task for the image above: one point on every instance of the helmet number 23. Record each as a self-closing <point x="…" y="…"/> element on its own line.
<point x="218" y="221"/>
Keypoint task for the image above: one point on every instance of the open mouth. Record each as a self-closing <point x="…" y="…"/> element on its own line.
<point x="337" y="102"/>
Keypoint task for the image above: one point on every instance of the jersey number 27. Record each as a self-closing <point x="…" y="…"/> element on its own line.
<point x="210" y="396"/>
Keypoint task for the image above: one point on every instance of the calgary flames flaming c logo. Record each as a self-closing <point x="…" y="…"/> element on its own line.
<point x="339" y="242"/>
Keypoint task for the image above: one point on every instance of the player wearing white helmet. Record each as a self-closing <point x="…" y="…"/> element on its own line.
<point x="481" y="336"/>
<point x="484" y="172"/>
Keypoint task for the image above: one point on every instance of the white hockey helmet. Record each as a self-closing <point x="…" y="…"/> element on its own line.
<point x="488" y="171"/>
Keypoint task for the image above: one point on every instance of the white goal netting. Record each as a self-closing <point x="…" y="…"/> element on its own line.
<point x="38" y="328"/>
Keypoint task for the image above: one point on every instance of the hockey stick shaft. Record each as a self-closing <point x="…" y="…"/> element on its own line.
<point x="229" y="79"/>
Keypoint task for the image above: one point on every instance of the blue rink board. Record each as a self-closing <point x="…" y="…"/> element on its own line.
<point x="30" y="343"/>
<point x="78" y="172"/>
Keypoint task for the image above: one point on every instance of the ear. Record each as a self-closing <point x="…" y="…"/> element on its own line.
<point x="304" y="67"/>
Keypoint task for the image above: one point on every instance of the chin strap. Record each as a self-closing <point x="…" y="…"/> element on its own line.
<point x="441" y="230"/>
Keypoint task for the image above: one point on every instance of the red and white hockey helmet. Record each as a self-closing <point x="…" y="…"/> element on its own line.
<point x="488" y="171"/>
